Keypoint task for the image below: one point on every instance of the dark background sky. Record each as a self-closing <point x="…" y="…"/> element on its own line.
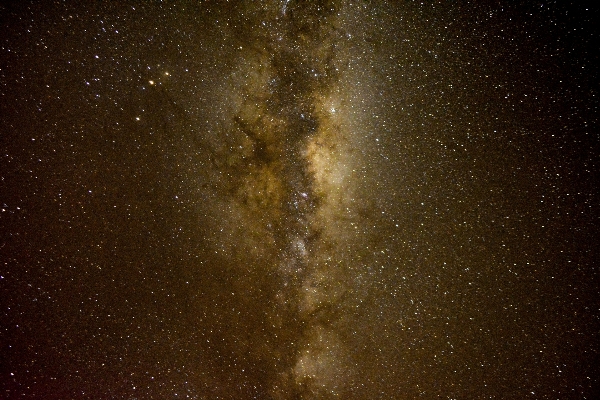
<point x="143" y="239"/>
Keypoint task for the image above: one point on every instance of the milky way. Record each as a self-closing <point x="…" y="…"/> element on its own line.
<point x="290" y="160"/>
<point x="298" y="200"/>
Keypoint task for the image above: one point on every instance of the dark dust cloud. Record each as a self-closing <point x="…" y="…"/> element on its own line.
<point x="298" y="200"/>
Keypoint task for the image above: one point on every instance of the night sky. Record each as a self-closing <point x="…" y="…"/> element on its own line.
<point x="282" y="199"/>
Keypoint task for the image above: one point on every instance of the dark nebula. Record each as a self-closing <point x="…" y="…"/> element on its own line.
<point x="281" y="199"/>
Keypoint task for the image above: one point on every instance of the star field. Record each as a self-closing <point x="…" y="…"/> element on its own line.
<point x="298" y="200"/>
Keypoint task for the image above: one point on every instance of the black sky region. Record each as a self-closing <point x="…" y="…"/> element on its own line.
<point x="298" y="200"/>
